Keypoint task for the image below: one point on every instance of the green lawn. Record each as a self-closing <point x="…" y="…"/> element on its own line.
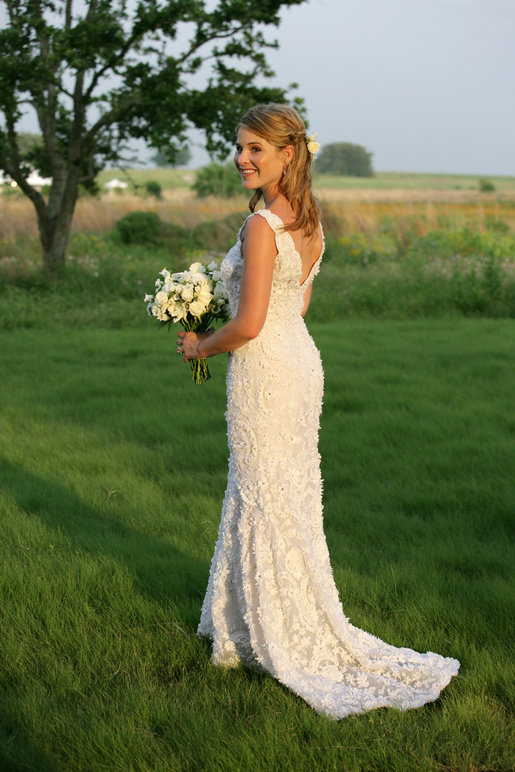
<point x="112" y="474"/>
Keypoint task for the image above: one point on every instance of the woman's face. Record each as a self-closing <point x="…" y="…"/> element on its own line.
<point x="259" y="163"/>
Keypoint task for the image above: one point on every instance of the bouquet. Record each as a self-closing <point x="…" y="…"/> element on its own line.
<point x="194" y="298"/>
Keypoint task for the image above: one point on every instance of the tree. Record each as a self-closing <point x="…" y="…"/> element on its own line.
<point x="181" y="156"/>
<point x="346" y="159"/>
<point x="99" y="72"/>
<point x="217" y="180"/>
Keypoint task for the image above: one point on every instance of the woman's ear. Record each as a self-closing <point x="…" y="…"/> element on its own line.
<point x="287" y="153"/>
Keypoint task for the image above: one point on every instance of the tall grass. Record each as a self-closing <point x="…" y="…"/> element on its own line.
<point x="112" y="472"/>
<point x="355" y="211"/>
<point x="382" y="260"/>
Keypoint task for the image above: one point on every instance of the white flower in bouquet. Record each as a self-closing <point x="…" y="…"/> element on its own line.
<point x="197" y="268"/>
<point x="194" y="298"/>
<point x="187" y="293"/>
<point x="197" y="308"/>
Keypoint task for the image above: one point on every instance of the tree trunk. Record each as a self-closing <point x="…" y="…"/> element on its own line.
<point x="54" y="222"/>
<point x="54" y="243"/>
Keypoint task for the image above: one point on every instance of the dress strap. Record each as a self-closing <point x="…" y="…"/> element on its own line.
<point x="283" y="238"/>
<point x="273" y="220"/>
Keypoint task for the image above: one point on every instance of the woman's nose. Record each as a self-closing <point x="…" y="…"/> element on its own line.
<point x="242" y="157"/>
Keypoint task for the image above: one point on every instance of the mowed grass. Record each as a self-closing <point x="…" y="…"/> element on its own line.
<point x="112" y="475"/>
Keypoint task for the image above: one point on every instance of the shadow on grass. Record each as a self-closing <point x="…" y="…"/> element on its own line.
<point x="161" y="571"/>
<point x="18" y="751"/>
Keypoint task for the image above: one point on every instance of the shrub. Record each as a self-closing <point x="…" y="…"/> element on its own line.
<point x="139" y="228"/>
<point x="486" y="186"/>
<point x="153" y="188"/>
<point x="217" y="180"/>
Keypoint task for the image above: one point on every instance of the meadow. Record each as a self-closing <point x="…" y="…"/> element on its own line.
<point x="114" y="465"/>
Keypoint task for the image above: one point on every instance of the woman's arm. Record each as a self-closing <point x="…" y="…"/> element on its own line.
<point x="259" y="253"/>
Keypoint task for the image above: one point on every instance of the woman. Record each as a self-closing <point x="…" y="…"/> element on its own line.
<point x="271" y="601"/>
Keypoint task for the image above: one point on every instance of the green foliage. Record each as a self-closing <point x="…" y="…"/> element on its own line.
<point x="218" y="180"/>
<point x="111" y="483"/>
<point x="139" y="228"/>
<point x="438" y="275"/>
<point x="104" y="73"/>
<point x="398" y="274"/>
<point x="486" y="186"/>
<point x="153" y="188"/>
<point x="346" y="159"/>
<point x="172" y="156"/>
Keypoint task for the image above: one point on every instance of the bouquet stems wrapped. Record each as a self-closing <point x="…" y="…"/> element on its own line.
<point x="199" y="369"/>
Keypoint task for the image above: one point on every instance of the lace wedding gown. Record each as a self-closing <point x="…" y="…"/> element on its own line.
<point x="271" y="601"/>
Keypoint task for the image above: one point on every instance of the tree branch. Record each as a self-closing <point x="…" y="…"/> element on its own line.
<point x="112" y="116"/>
<point x="214" y="36"/>
<point x="14" y="169"/>
<point x="68" y="14"/>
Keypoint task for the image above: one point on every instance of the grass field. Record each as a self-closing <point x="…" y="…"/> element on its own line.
<point x="113" y="469"/>
<point x="170" y="179"/>
<point x="113" y="466"/>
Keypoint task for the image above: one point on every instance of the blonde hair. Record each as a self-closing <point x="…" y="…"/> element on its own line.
<point x="281" y="125"/>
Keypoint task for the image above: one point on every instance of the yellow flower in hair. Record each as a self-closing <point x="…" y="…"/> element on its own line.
<point x="313" y="147"/>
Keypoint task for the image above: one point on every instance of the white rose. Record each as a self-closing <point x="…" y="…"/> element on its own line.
<point x="197" y="308"/>
<point x="160" y="313"/>
<point x="164" y="273"/>
<point x="178" y="312"/>
<point x="216" y="275"/>
<point x="148" y="298"/>
<point x="162" y="298"/>
<point x="212" y="266"/>
<point x="313" y="147"/>
<point x="174" y="306"/>
<point x="204" y="295"/>
<point x="187" y="292"/>
<point x="197" y="268"/>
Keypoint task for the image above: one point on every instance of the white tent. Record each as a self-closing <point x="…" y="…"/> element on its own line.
<point x="115" y="184"/>
<point x="37" y="181"/>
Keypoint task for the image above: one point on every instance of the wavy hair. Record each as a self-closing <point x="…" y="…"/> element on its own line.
<point x="282" y="125"/>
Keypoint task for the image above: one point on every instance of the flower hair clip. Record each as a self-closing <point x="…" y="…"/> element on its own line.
<point x="313" y="147"/>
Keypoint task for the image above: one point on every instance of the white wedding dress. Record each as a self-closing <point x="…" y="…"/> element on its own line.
<point x="271" y="601"/>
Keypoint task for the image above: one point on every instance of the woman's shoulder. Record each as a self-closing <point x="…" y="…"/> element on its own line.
<point x="258" y="227"/>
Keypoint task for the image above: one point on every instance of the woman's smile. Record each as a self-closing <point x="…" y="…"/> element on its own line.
<point x="259" y="163"/>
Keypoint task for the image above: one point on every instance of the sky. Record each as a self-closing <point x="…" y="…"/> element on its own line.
<point x="425" y="85"/>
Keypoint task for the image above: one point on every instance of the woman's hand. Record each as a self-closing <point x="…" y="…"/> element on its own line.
<point x="188" y="343"/>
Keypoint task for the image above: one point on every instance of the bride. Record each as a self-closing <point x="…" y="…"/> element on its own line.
<point x="271" y="601"/>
